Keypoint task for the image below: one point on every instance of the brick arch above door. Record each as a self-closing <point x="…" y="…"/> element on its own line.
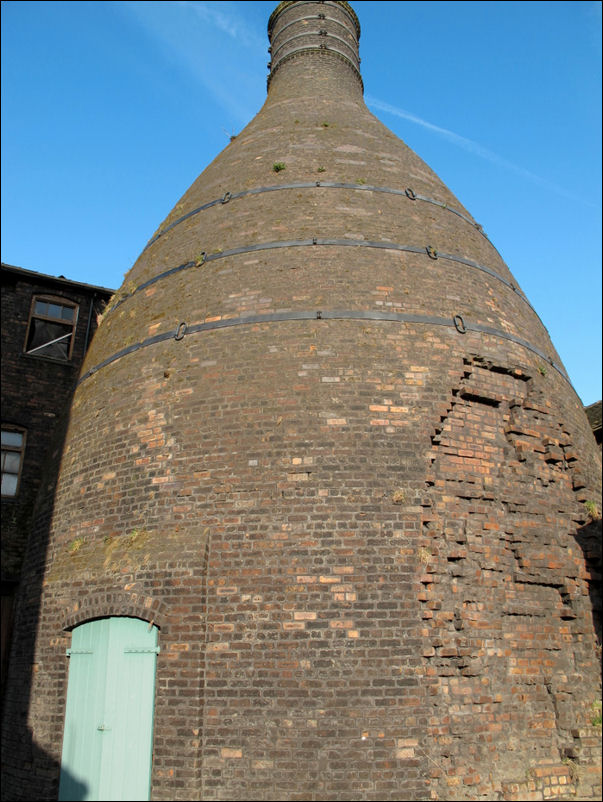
<point x="103" y="604"/>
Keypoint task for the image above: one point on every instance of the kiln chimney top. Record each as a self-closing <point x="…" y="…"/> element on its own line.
<point x="328" y="32"/>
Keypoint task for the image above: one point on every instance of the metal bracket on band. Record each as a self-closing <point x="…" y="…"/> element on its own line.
<point x="264" y="246"/>
<point x="408" y="192"/>
<point x="305" y="35"/>
<point x="316" y="241"/>
<point x="340" y="314"/>
<point x="459" y="324"/>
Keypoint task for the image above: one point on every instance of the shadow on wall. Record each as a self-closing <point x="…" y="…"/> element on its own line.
<point x="589" y="538"/>
<point x="29" y="772"/>
<point x="35" y="761"/>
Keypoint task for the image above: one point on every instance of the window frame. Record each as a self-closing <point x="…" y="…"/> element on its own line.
<point x="58" y="301"/>
<point x="7" y="427"/>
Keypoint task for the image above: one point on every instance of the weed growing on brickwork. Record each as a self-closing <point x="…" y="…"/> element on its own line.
<point x="399" y="497"/>
<point x="361" y="181"/>
<point x="111" y="302"/>
<point x="133" y="537"/>
<point x="75" y="545"/>
<point x="173" y="215"/>
<point x="595" y="713"/>
<point x="542" y="370"/>
<point x="592" y="510"/>
<point x="321" y="170"/>
<point x="572" y="767"/>
<point x="127" y="551"/>
<point x="424" y="555"/>
<point x="124" y="292"/>
<point x="278" y="166"/>
<point x="325" y="124"/>
<point x="99" y="318"/>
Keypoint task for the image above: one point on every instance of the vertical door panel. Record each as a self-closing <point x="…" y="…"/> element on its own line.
<point x="107" y="745"/>
<point x="82" y="742"/>
<point x="126" y="773"/>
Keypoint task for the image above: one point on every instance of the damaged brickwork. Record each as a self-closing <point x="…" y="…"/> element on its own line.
<point x="505" y="578"/>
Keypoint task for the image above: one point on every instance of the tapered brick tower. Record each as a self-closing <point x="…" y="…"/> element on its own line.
<point x="323" y="445"/>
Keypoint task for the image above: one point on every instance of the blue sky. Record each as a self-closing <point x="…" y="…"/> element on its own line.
<point x="110" y="110"/>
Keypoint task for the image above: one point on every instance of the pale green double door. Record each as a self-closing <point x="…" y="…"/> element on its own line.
<point x="108" y="739"/>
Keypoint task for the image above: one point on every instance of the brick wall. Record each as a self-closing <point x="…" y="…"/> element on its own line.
<point x="36" y="391"/>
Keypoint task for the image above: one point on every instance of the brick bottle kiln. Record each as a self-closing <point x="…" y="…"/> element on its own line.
<point x="323" y="447"/>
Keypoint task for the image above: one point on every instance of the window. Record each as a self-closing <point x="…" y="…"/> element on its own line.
<point x="51" y="327"/>
<point x="13" y="446"/>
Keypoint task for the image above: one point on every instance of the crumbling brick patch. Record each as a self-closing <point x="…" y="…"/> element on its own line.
<point x="504" y="585"/>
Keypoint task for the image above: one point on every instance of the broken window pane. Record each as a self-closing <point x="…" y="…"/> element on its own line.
<point x="51" y="329"/>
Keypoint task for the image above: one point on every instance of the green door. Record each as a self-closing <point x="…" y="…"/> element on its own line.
<point x="108" y="740"/>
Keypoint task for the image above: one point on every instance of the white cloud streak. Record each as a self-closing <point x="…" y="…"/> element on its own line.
<point x="199" y="38"/>
<point x="473" y="147"/>
<point x="229" y="23"/>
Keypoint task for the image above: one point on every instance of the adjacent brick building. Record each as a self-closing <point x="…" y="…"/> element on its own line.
<point x="322" y="456"/>
<point x="593" y="413"/>
<point x="47" y="325"/>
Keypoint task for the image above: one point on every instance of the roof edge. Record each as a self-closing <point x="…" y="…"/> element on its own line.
<point x="55" y="279"/>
